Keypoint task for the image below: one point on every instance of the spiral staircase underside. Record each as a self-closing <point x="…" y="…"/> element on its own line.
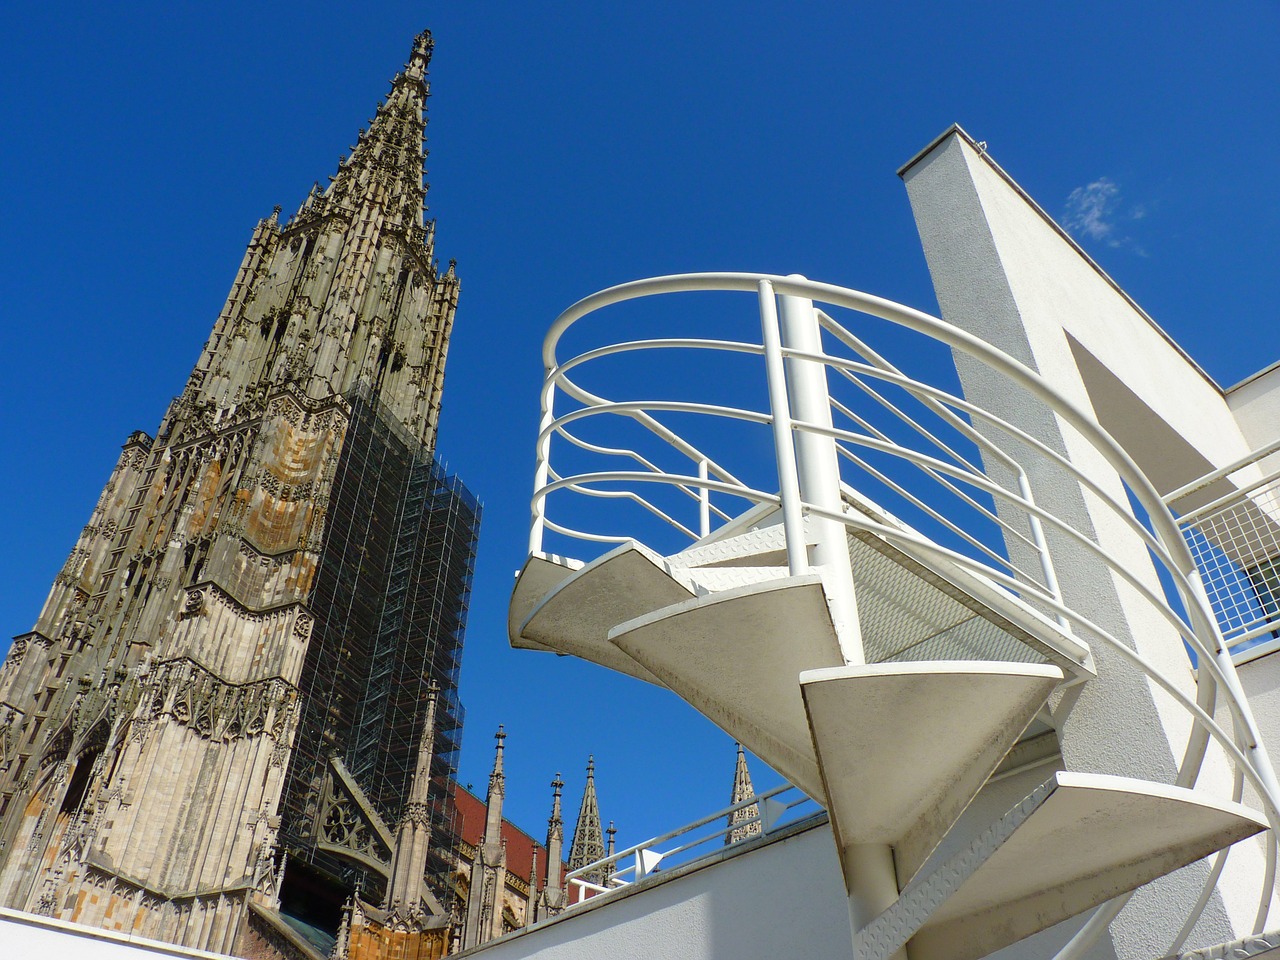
<point x="895" y="748"/>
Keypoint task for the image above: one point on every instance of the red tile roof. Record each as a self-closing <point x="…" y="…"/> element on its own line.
<point x="520" y="845"/>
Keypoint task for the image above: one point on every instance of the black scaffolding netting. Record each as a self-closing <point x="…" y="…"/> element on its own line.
<point x="390" y="605"/>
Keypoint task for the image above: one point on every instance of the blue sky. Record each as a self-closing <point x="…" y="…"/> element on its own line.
<point x="575" y="145"/>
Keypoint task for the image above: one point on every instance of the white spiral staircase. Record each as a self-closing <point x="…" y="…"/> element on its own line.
<point x="885" y="675"/>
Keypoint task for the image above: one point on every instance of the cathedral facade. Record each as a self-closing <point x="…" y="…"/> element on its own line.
<point x="240" y="697"/>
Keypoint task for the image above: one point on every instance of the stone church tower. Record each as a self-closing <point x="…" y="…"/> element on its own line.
<point x="231" y="669"/>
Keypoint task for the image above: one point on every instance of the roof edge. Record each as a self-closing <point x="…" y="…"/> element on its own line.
<point x="1254" y="376"/>
<point x="980" y="149"/>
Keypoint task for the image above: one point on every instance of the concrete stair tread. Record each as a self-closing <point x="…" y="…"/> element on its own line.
<point x="541" y="574"/>
<point x="904" y="747"/>
<point x="575" y="616"/>
<point x="1074" y="843"/>
<point x="716" y="579"/>
<point x="765" y="546"/>
<point x="735" y="656"/>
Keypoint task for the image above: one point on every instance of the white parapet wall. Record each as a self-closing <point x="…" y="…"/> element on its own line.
<point x="1260" y="676"/>
<point x="25" y="935"/>
<point x="777" y="897"/>
<point x="780" y="898"/>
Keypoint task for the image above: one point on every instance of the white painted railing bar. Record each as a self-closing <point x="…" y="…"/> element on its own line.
<point x="722" y="814"/>
<point x="1017" y="586"/>
<point x="936" y="515"/>
<point x="1265" y="626"/>
<point x="1035" y="542"/>
<point x="942" y="480"/>
<point x="904" y="417"/>
<point x="704" y="463"/>
<point x="657" y="428"/>
<point x="929" y="396"/>
<point x="911" y="319"/>
<point x="1210" y="881"/>
<point x="974" y="478"/>
<point x="704" y="501"/>
<point x="1168" y="549"/>
<point x="616" y="874"/>
<point x="1234" y="498"/>
<point x="949" y="416"/>
<point x="634" y="498"/>
<point x="1152" y="542"/>
<point x="783" y="440"/>
<point x="1223" y="472"/>
<point x="582" y="535"/>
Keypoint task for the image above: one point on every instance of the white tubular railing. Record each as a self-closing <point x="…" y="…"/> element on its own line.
<point x="957" y="477"/>
<point x="702" y="839"/>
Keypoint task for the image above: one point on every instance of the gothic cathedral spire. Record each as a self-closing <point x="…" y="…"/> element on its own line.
<point x="588" y="837"/>
<point x="204" y="641"/>
<point x="743" y="823"/>
<point x="489" y="868"/>
<point x="348" y="292"/>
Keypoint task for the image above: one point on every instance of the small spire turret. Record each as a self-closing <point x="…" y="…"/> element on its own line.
<point x="588" y="837"/>
<point x="489" y="869"/>
<point x="748" y="816"/>
<point x="552" y="901"/>
<point x="420" y="57"/>
<point x="413" y="835"/>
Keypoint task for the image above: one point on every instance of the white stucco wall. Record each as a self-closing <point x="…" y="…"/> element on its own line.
<point x="1007" y="273"/>
<point x="1256" y="405"/>
<point x="24" y="936"/>
<point x="780" y="899"/>
<point x="1260" y="678"/>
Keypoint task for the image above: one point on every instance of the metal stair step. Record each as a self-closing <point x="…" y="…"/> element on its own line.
<point x="541" y="574"/>
<point x="736" y="656"/>
<point x="1075" y="842"/>
<point x="904" y="747"/>
<point x="575" y="616"/>
<point x="765" y="546"/>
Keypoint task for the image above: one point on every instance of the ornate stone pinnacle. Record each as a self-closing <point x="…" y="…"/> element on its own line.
<point x="420" y="58"/>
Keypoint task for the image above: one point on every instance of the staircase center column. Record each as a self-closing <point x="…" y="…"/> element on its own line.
<point x="870" y="876"/>
<point x="818" y="468"/>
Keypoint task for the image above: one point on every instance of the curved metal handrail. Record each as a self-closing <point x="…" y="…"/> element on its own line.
<point x="1167" y="547"/>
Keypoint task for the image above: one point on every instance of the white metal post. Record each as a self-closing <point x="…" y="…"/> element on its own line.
<point x="818" y="465"/>
<point x="870" y="877"/>
<point x="783" y="441"/>
<point x="543" y="471"/>
<point x="704" y="500"/>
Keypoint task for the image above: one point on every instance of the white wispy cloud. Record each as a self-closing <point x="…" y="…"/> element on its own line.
<point x="1095" y="211"/>
<point x="1090" y="209"/>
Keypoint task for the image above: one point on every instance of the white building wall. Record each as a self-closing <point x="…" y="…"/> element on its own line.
<point x="23" y="936"/>
<point x="1005" y="272"/>
<point x="780" y="899"/>
<point x="1260" y="678"/>
<point x="1256" y="405"/>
